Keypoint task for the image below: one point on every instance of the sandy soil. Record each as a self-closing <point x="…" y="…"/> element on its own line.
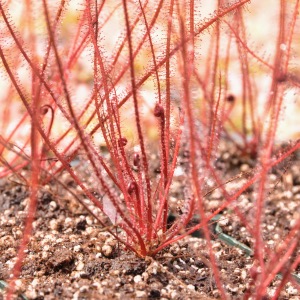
<point x="71" y="257"/>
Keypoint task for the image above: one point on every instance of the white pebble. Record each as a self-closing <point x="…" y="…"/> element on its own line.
<point x="288" y="194"/>
<point x="191" y="287"/>
<point x="35" y="282"/>
<point x="243" y="274"/>
<point x="18" y="283"/>
<point x="89" y="220"/>
<point x="244" y="167"/>
<point x="68" y="222"/>
<point x="76" y="248"/>
<point x="31" y="294"/>
<point x="141" y="294"/>
<point x="223" y="221"/>
<point x="107" y="250"/>
<point x="89" y="230"/>
<point x="52" y="206"/>
<point x="80" y="266"/>
<point x="291" y="290"/>
<point x="137" y="278"/>
<point x="115" y="272"/>
<point x="293" y="223"/>
<point x="46" y="247"/>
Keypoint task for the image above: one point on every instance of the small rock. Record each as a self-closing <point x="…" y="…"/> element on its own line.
<point x="287" y="194"/>
<point x="115" y="272"/>
<point x="243" y="274"/>
<point x="77" y="248"/>
<point x="107" y="250"/>
<point x="291" y="290"/>
<point x="31" y="294"/>
<point x="140" y="294"/>
<point x="52" y="206"/>
<point x="137" y="278"/>
<point x="53" y="224"/>
<point x="80" y="266"/>
<point x="244" y="167"/>
<point x="191" y="287"/>
<point x="68" y="222"/>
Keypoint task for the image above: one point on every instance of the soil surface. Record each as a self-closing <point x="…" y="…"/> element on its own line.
<point x="71" y="256"/>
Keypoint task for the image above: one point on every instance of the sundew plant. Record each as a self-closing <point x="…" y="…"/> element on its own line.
<point x="116" y="83"/>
